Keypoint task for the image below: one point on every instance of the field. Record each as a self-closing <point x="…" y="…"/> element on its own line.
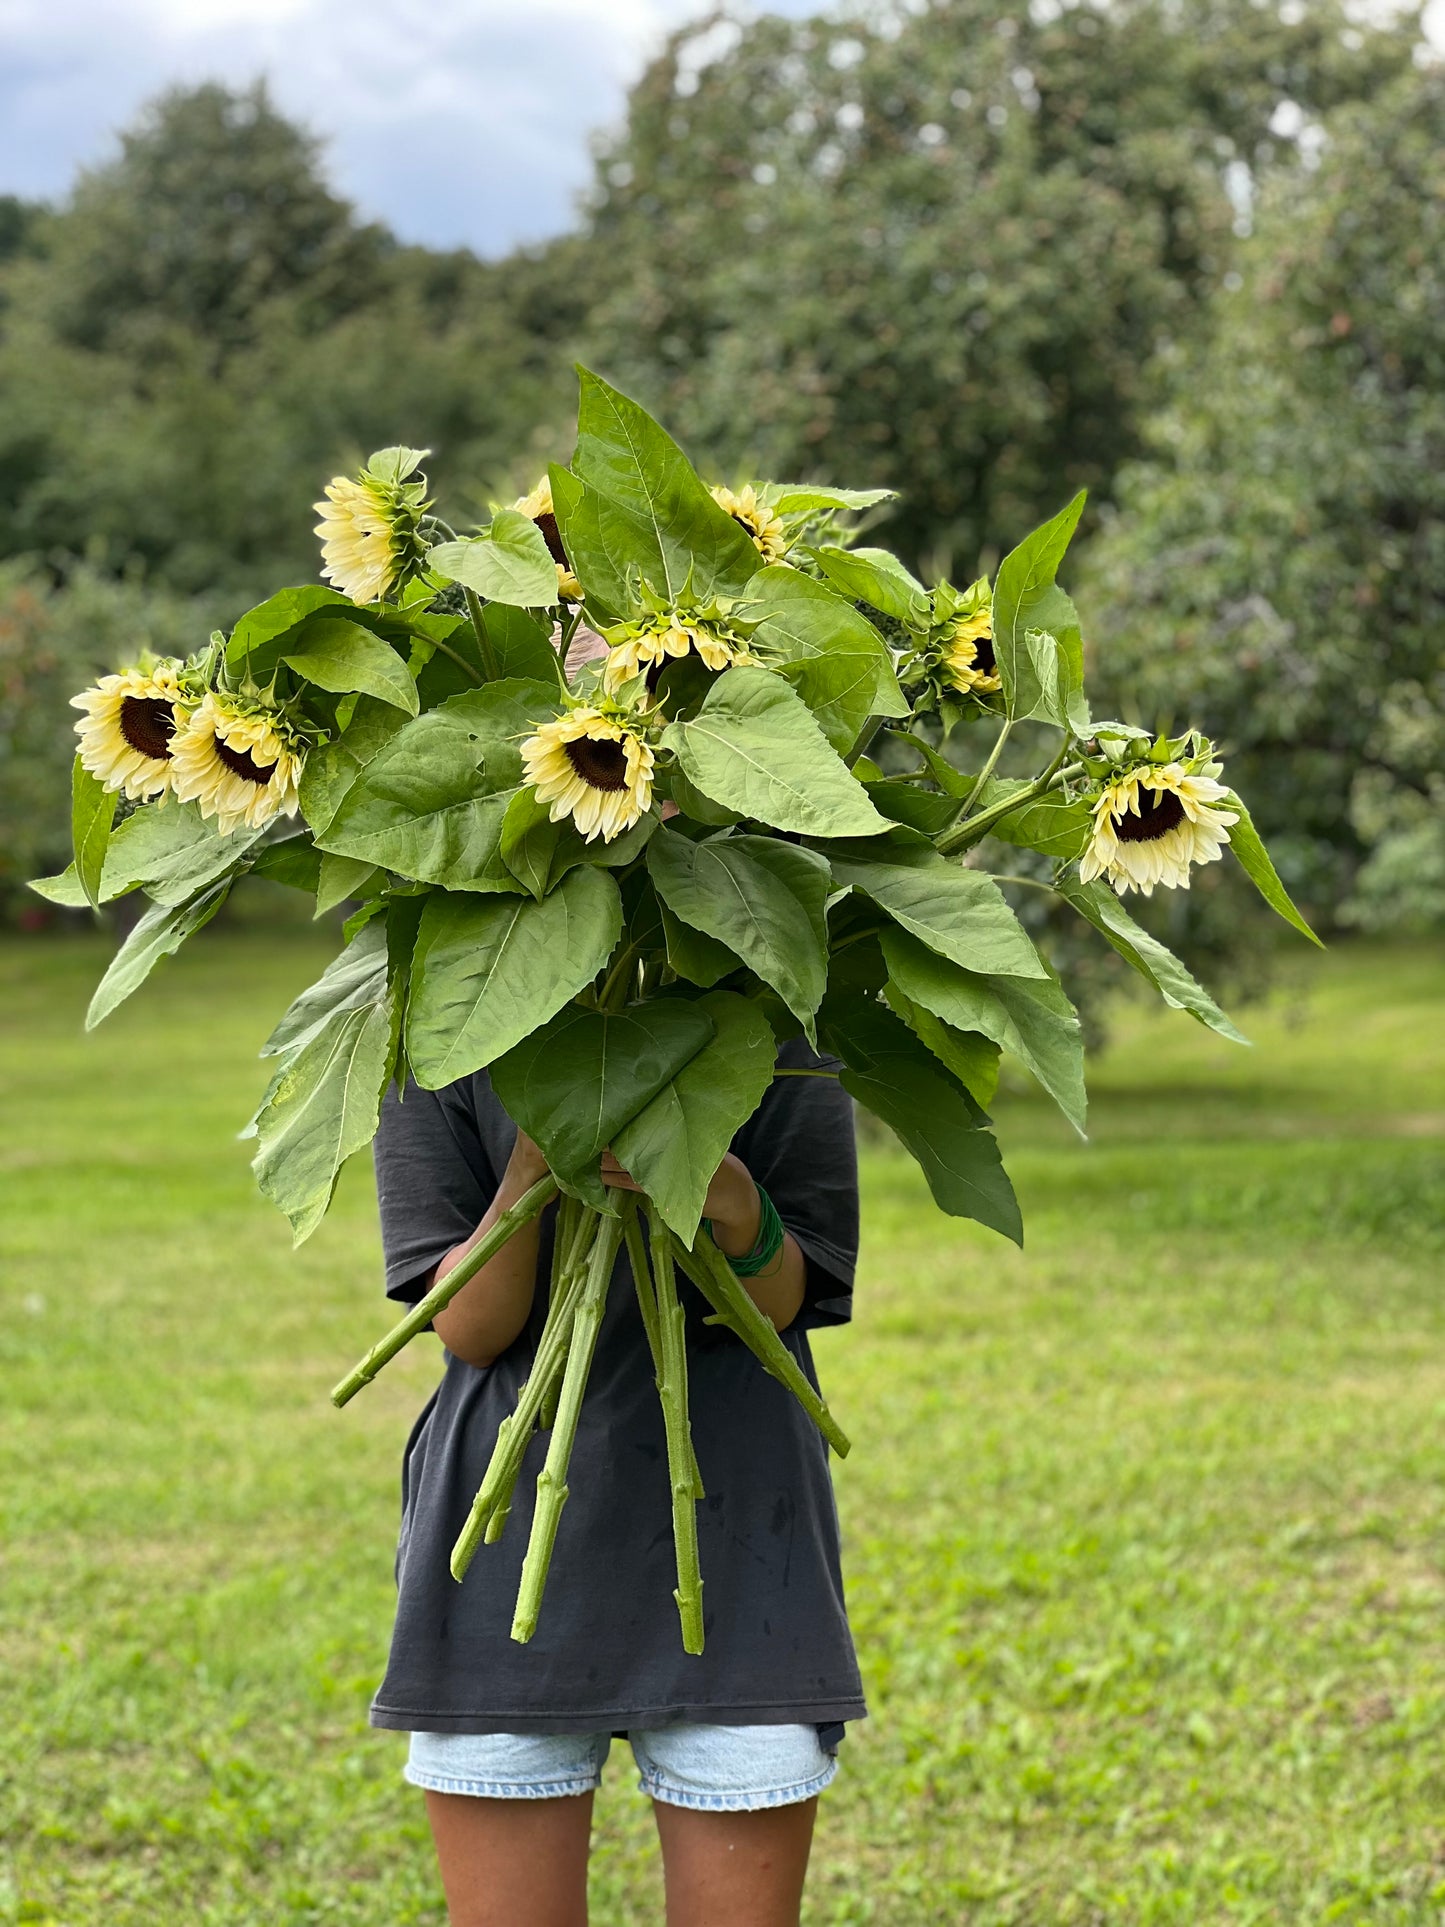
<point x="1143" y="1526"/>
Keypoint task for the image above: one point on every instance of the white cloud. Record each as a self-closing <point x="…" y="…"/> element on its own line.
<point x="462" y="123"/>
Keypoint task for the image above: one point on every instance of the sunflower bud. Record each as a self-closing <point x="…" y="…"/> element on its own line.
<point x="370" y="525"/>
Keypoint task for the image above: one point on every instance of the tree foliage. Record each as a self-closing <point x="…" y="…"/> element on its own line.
<point x="1279" y="564"/>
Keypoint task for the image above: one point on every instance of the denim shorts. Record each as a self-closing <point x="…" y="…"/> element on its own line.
<point x="720" y="1769"/>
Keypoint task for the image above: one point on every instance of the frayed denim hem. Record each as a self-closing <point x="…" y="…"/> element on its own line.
<point x="658" y="1788"/>
<point x="501" y="1789"/>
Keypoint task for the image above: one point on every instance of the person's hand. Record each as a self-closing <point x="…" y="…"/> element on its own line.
<point x="731" y="1203"/>
<point x="525" y="1165"/>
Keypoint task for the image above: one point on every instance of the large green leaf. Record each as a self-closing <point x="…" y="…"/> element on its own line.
<point x="636" y="465"/>
<point x="325" y="1102"/>
<point x="344" y="657"/>
<point x="529" y="841"/>
<point x="833" y="656"/>
<point x="257" y="639"/>
<point x="701" y="959"/>
<point x="957" y="912"/>
<point x="294" y="861"/>
<point x="1026" y="1015"/>
<point x="330" y="771"/>
<point x="92" y="812"/>
<point x="603" y="542"/>
<point x="972" y="1057"/>
<point x="1026" y="596"/>
<point x="763" y="898"/>
<point x="1254" y="860"/>
<point x="575" y="1083"/>
<point x="431" y="803"/>
<point x="755" y="746"/>
<point x="890" y="1072"/>
<point x="486" y="973"/>
<point x="168" y="847"/>
<point x="808" y="497"/>
<point x="877" y="578"/>
<point x="676" y="1142"/>
<point x="351" y="981"/>
<point x="1154" y="963"/>
<point x="160" y="933"/>
<point x="521" y="643"/>
<point x="509" y="562"/>
<point x="341" y="878"/>
<point x="1053" y="825"/>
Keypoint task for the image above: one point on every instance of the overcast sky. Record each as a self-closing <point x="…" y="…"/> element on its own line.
<point x="456" y="121"/>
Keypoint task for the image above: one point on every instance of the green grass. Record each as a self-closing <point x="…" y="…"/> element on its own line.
<point x="1143" y="1525"/>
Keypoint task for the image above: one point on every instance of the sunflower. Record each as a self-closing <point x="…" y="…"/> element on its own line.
<point x="130" y="719"/>
<point x="649" y="643"/>
<point x="239" y="761"/>
<point x="538" y="508"/>
<point x="967" y="657"/>
<point x="369" y="525"/>
<point x="765" y="528"/>
<point x="1140" y="840"/>
<point x="593" y="767"/>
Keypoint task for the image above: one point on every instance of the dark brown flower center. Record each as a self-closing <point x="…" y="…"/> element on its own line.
<point x="983" y="657"/>
<point x="240" y="762"/>
<point x="148" y="724"/>
<point x="551" y="535"/>
<point x="1155" y="819"/>
<point x="600" y="762"/>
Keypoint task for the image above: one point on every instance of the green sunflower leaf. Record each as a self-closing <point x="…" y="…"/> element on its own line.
<point x="573" y="1084"/>
<point x="168" y="848"/>
<point x="253" y="637"/>
<point x="529" y="841"/>
<point x="809" y="498"/>
<point x="674" y="1145"/>
<point x="1052" y="825"/>
<point x="160" y="933"/>
<point x="351" y="981"/>
<point x="1254" y="860"/>
<point x="431" y="803"/>
<point x="893" y="1075"/>
<point x="521" y="643"/>
<point x="633" y="462"/>
<point x="755" y="747"/>
<point x="1029" y="1016"/>
<point x="877" y="578"/>
<point x="324" y="1103"/>
<point x="508" y="562"/>
<point x="762" y="898"/>
<point x="971" y="1057"/>
<point x="959" y="913"/>
<point x="830" y="652"/>
<point x="330" y="770"/>
<point x="341" y="878"/>
<point x="293" y="860"/>
<point x="602" y="542"/>
<point x="92" y="812"/>
<point x="701" y="959"/>
<point x="1027" y="597"/>
<point x="1155" y="964"/>
<point x="487" y="972"/>
<point x="345" y="658"/>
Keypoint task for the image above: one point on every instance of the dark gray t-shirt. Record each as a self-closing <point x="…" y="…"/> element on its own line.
<point x="607" y="1653"/>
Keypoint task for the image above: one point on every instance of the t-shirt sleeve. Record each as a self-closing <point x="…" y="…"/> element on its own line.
<point x="799" y="1145"/>
<point x="434" y="1181"/>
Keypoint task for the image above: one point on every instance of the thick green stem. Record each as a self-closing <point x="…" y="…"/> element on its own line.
<point x="445" y="1289"/>
<point x="552" y="1480"/>
<point x="569" y="1225"/>
<point x="714" y="1277"/>
<point x="971" y="800"/>
<point x="682" y="1473"/>
<point x="494" y="1496"/>
<point x="484" y="641"/>
<point x="647" y="1299"/>
<point x="964" y="835"/>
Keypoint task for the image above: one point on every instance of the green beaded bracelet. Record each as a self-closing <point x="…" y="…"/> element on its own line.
<point x="767" y="1244"/>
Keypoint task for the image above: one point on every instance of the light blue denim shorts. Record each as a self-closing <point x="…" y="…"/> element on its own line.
<point x="720" y="1769"/>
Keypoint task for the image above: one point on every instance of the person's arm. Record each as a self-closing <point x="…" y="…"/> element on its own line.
<point x="735" y="1213"/>
<point x="491" y="1309"/>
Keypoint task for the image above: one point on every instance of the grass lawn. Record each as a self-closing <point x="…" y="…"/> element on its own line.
<point x="1143" y="1526"/>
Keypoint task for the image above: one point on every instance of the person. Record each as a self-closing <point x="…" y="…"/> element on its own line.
<point x="508" y="1740"/>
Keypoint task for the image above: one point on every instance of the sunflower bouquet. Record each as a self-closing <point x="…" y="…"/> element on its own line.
<point x="624" y="789"/>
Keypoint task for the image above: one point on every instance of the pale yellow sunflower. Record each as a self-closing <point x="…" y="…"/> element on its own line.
<point x="130" y="720"/>
<point x="239" y="761"/>
<point x="758" y="518"/>
<point x="592" y="767"/>
<point x="1152" y="824"/>
<point x="968" y="658"/>
<point x="636" y="647"/>
<point x="538" y="508"/>
<point x="361" y="553"/>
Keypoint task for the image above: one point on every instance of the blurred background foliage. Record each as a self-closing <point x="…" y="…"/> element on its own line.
<point x="1185" y="252"/>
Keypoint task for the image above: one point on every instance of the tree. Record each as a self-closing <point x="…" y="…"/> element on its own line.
<point x="1277" y="570"/>
<point x="941" y="252"/>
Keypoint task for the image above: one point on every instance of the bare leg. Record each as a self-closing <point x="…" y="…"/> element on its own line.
<point x="735" y="1869"/>
<point x="512" y="1863"/>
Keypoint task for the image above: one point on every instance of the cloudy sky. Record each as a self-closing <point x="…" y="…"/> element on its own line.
<point x="457" y="121"/>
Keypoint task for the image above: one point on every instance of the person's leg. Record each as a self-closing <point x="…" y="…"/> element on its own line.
<point x="735" y="1869"/>
<point x="512" y="1863"/>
